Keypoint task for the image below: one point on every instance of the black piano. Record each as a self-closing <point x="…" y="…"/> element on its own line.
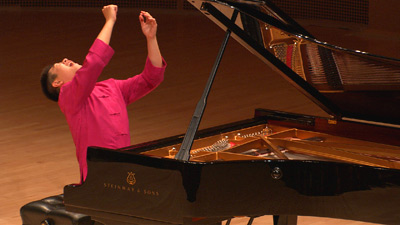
<point x="345" y="165"/>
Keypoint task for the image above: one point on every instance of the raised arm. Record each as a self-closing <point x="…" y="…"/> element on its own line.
<point x="149" y="29"/>
<point x="110" y="14"/>
<point x="85" y="78"/>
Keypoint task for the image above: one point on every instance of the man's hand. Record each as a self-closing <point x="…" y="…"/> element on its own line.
<point x="110" y="13"/>
<point x="148" y="24"/>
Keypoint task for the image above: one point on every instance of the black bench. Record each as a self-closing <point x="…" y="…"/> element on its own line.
<point x="51" y="211"/>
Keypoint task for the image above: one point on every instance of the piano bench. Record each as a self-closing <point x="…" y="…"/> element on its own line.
<point x="51" y="211"/>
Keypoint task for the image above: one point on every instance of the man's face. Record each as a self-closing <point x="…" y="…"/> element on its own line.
<point x="65" y="71"/>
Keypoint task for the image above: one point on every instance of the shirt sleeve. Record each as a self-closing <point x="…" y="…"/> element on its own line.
<point x="75" y="92"/>
<point x="138" y="86"/>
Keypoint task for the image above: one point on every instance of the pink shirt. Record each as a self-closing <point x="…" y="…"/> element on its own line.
<point x="96" y="112"/>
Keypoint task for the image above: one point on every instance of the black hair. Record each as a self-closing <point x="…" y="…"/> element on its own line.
<point x="46" y="80"/>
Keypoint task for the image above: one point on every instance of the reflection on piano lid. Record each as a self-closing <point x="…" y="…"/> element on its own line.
<point x="277" y="163"/>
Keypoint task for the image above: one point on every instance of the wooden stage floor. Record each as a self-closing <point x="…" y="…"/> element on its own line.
<point x="37" y="156"/>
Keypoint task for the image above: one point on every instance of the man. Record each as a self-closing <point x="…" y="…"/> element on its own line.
<point x="96" y="111"/>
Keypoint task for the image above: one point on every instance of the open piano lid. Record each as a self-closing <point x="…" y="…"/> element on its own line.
<point x="347" y="84"/>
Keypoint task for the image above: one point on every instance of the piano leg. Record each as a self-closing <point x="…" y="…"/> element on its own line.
<point x="285" y="220"/>
<point x="228" y="222"/>
<point x="250" y="221"/>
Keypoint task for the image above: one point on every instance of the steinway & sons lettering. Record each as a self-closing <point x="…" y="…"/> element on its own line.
<point x="131" y="189"/>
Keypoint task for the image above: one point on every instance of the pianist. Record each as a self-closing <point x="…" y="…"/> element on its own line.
<point x="96" y="111"/>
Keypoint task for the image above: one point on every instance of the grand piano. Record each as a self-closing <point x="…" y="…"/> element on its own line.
<point x="345" y="165"/>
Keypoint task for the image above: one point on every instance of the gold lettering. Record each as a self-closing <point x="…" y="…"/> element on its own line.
<point x="131" y="189"/>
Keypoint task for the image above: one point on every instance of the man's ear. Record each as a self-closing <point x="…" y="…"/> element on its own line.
<point x="57" y="83"/>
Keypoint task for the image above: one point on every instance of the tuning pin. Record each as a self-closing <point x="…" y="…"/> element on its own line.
<point x="267" y="131"/>
<point x="172" y="151"/>
<point x="237" y="137"/>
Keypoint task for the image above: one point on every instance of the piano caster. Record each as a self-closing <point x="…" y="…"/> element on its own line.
<point x="285" y="220"/>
